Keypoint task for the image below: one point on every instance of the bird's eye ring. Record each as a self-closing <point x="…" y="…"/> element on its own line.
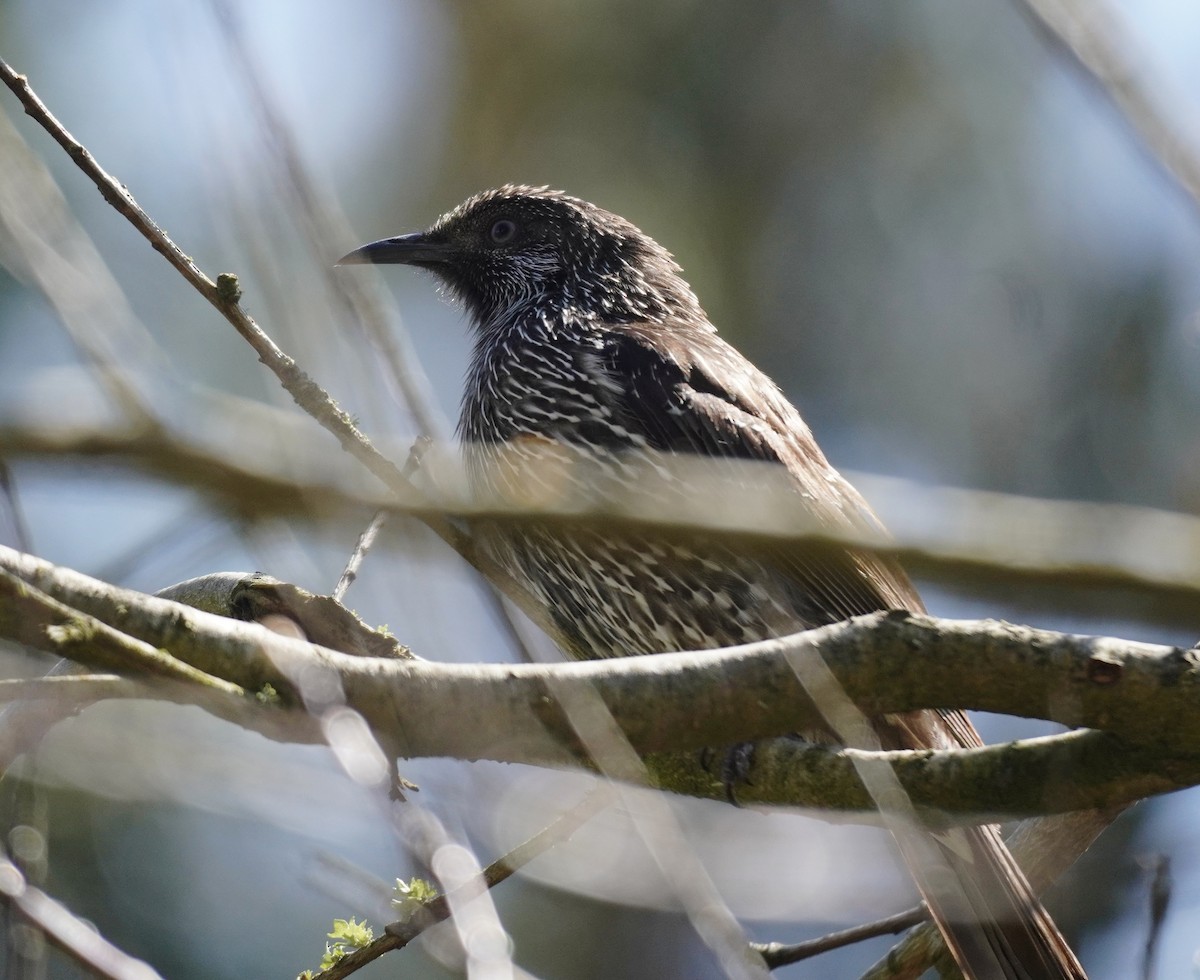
<point x="504" y="230"/>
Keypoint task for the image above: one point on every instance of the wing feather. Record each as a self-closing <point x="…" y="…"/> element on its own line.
<point x="700" y="396"/>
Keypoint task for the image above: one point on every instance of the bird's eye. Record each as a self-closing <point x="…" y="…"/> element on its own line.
<point x="503" y="231"/>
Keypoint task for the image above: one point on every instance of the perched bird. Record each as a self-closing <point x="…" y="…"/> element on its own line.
<point x="590" y="348"/>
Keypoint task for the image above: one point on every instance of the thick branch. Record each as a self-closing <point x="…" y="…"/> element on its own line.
<point x="29" y="616"/>
<point x="675" y="703"/>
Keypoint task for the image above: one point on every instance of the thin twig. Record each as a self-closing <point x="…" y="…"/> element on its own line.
<point x="366" y="540"/>
<point x="1159" y="899"/>
<point x="8" y="491"/>
<point x="778" y="954"/>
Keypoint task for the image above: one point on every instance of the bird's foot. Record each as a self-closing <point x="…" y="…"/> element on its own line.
<point x="731" y="765"/>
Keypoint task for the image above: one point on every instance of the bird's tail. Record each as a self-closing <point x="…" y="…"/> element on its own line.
<point x="993" y="923"/>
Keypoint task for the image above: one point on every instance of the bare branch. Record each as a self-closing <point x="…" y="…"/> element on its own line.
<point x="35" y="619"/>
<point x="366" y="540"/>
<point x="1144" y="694"/>
<point x="778" y="954"/>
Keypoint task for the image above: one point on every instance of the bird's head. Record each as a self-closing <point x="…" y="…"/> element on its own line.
<point x="517" y="248"/>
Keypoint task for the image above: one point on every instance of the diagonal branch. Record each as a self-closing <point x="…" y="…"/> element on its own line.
<point x="224" y="295"/>
<point x="73" y="936"/>
<point x="1088" y="34"/>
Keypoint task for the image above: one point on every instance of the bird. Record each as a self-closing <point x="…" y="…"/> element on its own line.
<point x="592" y="357"/>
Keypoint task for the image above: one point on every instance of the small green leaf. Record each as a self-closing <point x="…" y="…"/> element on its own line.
<point x="347" y="935"/>
<point x="411" y="895"/>
<point x="228" y="288"/>
<point x="332" y="955"/>
<point x="268" y="695"/>
<point x="351" y="933"/>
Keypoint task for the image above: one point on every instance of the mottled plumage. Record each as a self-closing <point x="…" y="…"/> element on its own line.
<point x="592" y="357"/>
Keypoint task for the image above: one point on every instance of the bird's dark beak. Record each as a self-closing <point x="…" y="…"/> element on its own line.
<point x="414" y="249"/>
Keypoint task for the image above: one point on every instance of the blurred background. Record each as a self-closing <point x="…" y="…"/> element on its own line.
<point x="935" y="233"/>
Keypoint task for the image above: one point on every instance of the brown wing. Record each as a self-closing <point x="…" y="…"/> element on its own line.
<point x="690" y="392"/>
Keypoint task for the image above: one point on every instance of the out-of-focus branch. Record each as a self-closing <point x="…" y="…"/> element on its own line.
<point x="31" y="707"/>
<point x="10" y="505"/>
<point x="76" y="938"/>
<point x="40" y="240"/>
<point x="1072" y="556"/>
<point x="245" y="486"/>
<point x="327" y="233"/>
<point x="77" y="690"/>
<point x="1092" y="35"/>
